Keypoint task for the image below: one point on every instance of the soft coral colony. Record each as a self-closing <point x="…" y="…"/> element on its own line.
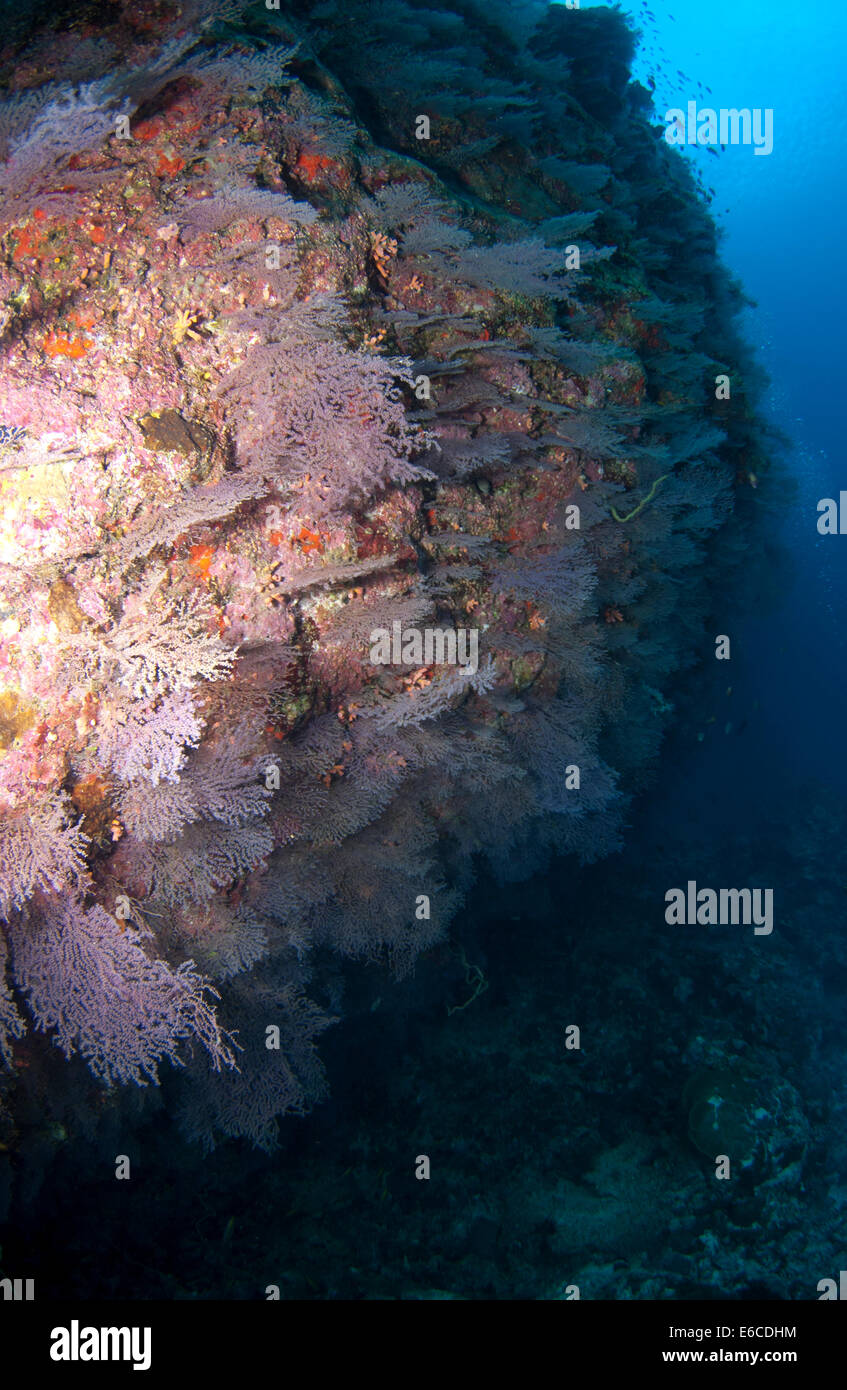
<point x="277" y="373"/>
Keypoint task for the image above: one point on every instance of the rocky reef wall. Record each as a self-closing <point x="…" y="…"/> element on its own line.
<point x="374" y="432"/>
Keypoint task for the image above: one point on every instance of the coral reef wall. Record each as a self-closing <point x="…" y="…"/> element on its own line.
<point x="365" y="467"/>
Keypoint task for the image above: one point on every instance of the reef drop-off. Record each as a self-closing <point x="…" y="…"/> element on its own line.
<point x="317" y="322"/>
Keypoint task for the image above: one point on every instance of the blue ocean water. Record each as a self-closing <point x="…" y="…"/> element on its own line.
<point x="781" y="218"/>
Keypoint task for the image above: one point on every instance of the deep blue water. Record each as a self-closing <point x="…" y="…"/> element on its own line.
<point x="782" y="218"/>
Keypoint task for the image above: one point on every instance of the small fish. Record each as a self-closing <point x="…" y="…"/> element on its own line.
<point x="711" y="150"/>
<point x="228" y="1230"/>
